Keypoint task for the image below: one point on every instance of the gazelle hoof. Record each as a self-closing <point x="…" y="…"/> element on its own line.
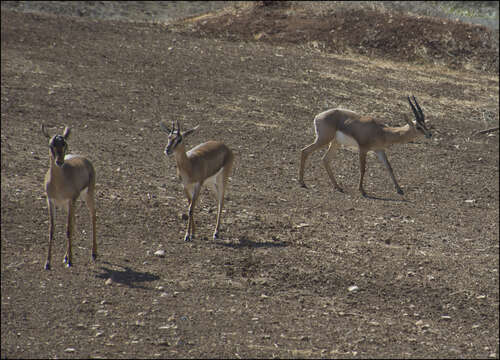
<point x="216" y="235"/>
<point x="400" y="192"/>
<point x="94" y="257"/>
<point x="187" y="238"/>
<point x="47" y="266"/>
<point x="67" y="261"/>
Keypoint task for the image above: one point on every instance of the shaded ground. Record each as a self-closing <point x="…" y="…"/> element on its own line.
<point x="277" y="284"/>
<point x="374" y="32"/>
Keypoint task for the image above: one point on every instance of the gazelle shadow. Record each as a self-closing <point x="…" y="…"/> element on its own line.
<point x="127" y="276"/>
<point x="245" y="242"/>
<point x="372" y="197"/>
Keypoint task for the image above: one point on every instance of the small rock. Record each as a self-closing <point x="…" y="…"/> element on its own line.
<point x="445" y="317"/>
<point x="353" y="288"/>
<point x="160" y="253"/>
<point x="301" y="225"/>
<point x="69" y="350"/>
<point x="109" y="281"/>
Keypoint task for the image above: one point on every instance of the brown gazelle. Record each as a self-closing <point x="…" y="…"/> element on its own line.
<point x="344" y="127"/>
<point x="211" y="161"/>
<point x="67" y="177"/>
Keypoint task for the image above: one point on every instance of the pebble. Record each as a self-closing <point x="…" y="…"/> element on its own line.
<point x="160" y="253"/>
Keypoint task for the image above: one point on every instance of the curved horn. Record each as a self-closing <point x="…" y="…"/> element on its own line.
<point x="417" y="115"/>
<point x="422" y="117"/>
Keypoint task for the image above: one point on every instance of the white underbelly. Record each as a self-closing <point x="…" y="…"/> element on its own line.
<point x="63" y="202"/>
<point x="70" y="156"/>
<point x="346" y="140"/>
<point x="209" y="182"/>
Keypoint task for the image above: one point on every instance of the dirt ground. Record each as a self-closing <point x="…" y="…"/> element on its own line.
<point x="299" y="273"/>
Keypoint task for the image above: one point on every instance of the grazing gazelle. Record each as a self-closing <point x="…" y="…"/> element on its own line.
<point x="211" y="161"/>
<point x="344" y="127"/>
<point x="67" y="177"/>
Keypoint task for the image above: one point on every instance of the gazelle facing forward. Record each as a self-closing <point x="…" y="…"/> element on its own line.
<point x="211" y="161"/>
<point x="344" y="127"/>
<point x="67" y="177"/>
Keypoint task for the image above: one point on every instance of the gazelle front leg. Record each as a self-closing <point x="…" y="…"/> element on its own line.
<point x="362" y="165"/>
<point x="383" y="158"/>
<point x="190" y="227"/>
<point x="91" y="206"/>
<point x="219" y="190"/>
<point x="51" y="208"/>
<point x="69" y="232"/>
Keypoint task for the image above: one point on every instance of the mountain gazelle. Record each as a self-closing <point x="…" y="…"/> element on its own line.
<point x="344" y="127"/>
<point x="211" y="162"/>
<point x="67" y="177"/>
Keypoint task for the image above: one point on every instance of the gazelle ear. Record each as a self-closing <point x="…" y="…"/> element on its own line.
<point x="67" y="132"/>
<point x="189" y="132"/>
<point x="165" y="127"/>
<point x="408" y="121"/>
<point x="44" y="132"/>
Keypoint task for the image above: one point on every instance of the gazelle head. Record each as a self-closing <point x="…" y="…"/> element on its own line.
<point x="419" y="124"/>
<point x="58" y="145"/>
<point x="175" y="136"/>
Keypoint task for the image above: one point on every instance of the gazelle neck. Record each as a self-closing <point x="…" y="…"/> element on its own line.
<point x="52" y="164"/>
<point x="181" y="158"/>
<point x="401" y="135"/>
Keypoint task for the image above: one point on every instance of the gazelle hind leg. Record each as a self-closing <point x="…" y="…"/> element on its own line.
<point x="220" y="188"/>
<point x="90" y="201"/>
<point x="318" y="143"/>
<point x="327" y="158"/>
<point x="68" y="258"/>
<point x="220" y="185"/>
